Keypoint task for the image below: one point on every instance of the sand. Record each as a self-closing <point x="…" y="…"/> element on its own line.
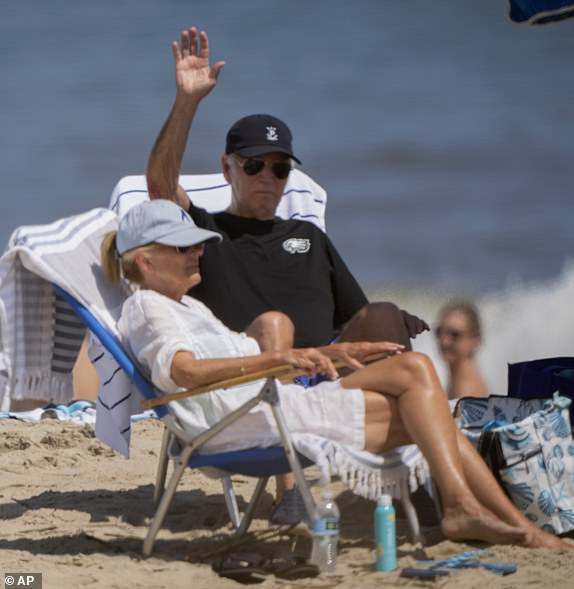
<point x="73" y="510"/>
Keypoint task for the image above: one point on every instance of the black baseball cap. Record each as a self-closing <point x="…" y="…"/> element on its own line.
<point x="255" y="135"/>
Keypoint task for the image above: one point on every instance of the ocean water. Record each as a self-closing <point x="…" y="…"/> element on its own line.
<point x="442" y="132"/>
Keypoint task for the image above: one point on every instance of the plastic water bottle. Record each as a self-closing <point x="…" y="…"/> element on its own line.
<point x="326" y="534"/>
<point x="385" y="535"/>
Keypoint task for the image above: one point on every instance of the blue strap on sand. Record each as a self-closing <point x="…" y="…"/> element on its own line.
<point x="465" y="560"/>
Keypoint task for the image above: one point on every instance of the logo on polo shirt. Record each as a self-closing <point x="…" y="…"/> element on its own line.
<point x="297" y="245"/>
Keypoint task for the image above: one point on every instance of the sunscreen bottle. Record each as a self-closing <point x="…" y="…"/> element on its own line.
<point x="385" y="535"/>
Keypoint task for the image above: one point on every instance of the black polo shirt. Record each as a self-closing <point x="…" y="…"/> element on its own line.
<point x="289" y="266"/>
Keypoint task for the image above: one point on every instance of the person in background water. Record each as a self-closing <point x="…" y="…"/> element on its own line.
<point x="459" y="337"/>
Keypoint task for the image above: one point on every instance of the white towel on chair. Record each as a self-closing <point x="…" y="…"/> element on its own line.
<point x="302" y="199"/>
<point x="39" y="335"/>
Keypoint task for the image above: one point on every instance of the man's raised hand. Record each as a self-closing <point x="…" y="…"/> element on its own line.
<point x="193" y="74"/>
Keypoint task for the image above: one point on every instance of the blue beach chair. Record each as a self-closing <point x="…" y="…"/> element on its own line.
<point x="56" y="267"/>
<point x="257" y="462"/>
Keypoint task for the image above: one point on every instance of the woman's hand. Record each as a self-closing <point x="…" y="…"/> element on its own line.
<point x="352" y="354"/>
<point x="311" y="361"/>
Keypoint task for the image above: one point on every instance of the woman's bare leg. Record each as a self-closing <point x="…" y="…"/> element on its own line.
<point x="411" y="379"/>
<point x="385" y="414"/>
<point x="487" y="490"/>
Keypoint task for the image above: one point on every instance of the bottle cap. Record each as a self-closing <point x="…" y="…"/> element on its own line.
<point x="385" y="500"/>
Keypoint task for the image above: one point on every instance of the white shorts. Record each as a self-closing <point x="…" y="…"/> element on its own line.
<point x="326" y="410"/>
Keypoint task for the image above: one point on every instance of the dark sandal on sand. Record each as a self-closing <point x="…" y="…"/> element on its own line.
<point x="290" y="569"/>
<point x="249" y="573"/>
<point x="241" y="571"/>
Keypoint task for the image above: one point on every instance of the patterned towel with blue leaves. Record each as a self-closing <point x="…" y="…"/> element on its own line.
<point x="535" y="453"/>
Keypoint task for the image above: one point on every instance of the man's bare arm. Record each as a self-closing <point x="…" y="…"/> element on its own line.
<point x="195" y="79"/>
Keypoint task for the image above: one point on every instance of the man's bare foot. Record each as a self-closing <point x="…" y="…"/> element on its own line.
<point x="460" y="525"/>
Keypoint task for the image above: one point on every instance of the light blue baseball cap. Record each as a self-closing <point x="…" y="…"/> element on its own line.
<point x="160" y="221"/>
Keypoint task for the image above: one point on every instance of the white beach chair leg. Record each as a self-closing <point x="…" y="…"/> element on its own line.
<point x="181" y="463"/>
<point x="162" y="466"/>
<point x="296" y="469"/>
<point x="411" y="513"/>
<point x="231" y="501"/>
<point x="250" y="511"/>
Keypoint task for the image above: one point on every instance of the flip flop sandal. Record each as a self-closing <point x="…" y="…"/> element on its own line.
<point x="411" y="572"/>
<point x="499" y="568"/>
<point x="465" y="560"/>
<point x="241" y="571"/>
<point x="292" y="570"/>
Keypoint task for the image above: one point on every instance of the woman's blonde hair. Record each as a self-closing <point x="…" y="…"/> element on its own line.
<point x="116" y="267"/>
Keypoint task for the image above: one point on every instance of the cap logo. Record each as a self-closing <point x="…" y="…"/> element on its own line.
<point x="297" y="245"/>
<point x="271" y="134"/>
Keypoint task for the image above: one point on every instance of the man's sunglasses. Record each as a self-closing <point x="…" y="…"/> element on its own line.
<point x="252" y="166"/>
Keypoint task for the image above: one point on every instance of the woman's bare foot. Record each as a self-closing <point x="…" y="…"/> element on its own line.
<point x="458" y="524"/>
<point x="537" y="538"/>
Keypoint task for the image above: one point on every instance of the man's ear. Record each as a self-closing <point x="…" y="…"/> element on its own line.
<point x="225" y="167"/>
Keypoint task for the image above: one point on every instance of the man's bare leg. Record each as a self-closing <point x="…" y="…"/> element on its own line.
<point x="274" y="331"/>
<point x="377" y="322"/>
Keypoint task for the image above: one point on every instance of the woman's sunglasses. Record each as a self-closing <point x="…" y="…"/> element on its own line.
<point x="451" y="333"/>
<point x="187" y="248"/>
<point x="252" y="166"/>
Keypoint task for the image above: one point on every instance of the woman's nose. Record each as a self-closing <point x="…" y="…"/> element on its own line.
<point x="197" y="250"/>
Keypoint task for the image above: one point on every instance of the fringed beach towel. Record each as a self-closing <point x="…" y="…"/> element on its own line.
<point x="39" y="334"/>
<point x="369" y="475"/>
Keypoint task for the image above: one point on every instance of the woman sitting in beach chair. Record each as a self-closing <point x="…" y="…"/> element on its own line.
<point x="377" y="407"/>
